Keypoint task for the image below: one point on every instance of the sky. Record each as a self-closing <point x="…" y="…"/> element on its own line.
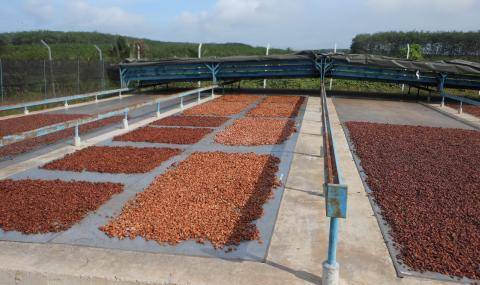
<point x="297" y="24"/>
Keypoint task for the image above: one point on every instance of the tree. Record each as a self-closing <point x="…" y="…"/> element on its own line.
<point x="120" y="49"/>
<point x="416" y="52"/>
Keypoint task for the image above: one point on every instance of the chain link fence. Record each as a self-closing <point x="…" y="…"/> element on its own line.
<point x="30" y="80"/>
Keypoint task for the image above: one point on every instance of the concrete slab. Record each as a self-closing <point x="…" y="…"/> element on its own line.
<point x="313" y="116"/>
<point x="453" y="113"/>
<point x="393" y="112"/>
<point x="300" y="235"/>
<point x="37" y="264"/>
<point x="309" y="144"/>
<point x="311" y="127"/>
<point x="304" y="175"/>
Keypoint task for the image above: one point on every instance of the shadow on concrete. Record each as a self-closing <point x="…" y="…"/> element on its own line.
<point x="307" y="276"/>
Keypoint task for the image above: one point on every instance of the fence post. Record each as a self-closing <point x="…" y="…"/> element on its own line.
<point x="45" y="78"/>
<point x="51" y="66"/>
<point x="78" y="75"/>
<point x="1" y="78"/>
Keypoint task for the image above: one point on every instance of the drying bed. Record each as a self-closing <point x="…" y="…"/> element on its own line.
<point x="192" y="121"/>
<point x="426" y="184"/>
<point x="33" y="122"/>
<point x="217" y="108"/>
<point x="294" y="100"/>
<point x="239" y="98"/>
<point x="106" y="159"/>
<point x="289" y="107"/>
<point x="210" y="196"/>
<point x="35" y="143"/>
<point x="41" y="206"/>
<point x="274" y="110"/>
<point x="256" y="131"/>
<point x="165" y="135"/>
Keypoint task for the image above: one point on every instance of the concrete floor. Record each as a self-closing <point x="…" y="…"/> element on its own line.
<point x="392" y="112"/>
<point x="288" y="261"/>
<point x="87" y="233"/>
<point x="297" y="249"/>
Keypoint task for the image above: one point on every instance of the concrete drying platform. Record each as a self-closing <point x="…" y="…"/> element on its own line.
<point x="296" y="250"/>
<point x="87" y="232"/>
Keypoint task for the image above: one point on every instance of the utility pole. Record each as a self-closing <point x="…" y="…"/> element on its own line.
<point x="331" y="80"/>
<point x="266" y="53"/>
<point x="102" y="66"/>
<point x="408" y="57"/>
<point x="51" y="66"/>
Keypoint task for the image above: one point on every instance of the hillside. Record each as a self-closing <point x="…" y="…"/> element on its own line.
<point x="73" y="45"/>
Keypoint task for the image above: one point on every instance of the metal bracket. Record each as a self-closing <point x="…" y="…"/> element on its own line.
<point x="336" y="200"/>
<point x="214" y="68"/>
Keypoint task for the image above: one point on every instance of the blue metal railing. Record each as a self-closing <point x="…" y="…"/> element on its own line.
<point x="335" y="192"/>
<point x="10" y="139"/>
<point x="65" y="99"/>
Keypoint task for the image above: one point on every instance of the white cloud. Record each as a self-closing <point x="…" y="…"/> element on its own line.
<point x="81" y="15"/>
<point x="41" y="11"/>
<point x="408" y="6"/>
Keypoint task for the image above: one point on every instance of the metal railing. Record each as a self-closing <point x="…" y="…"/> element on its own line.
<point x="10" y="139"/>
<point x="459" y="99"/>
<point x="335" y="192"/>
<point x="65" y="99"/>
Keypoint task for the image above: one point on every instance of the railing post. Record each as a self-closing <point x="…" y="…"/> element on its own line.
<point x="25" y="110"/>
<point x="460" y="109"/>
<point x="181" y="102"/>
<point x="198" y="97"/>
<point x="441" y="87"/>
<point x="76" y="140"/>
<point x="158" y="110"/>
<point x="66" y="104"/>
<point x="125" y="119"/>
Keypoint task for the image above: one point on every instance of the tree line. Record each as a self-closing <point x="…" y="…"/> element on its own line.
<point x="73" y="45"/>
<point x="433" y="44"/>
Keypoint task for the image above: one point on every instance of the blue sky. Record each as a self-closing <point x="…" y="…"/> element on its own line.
<point x="299" y="24"/>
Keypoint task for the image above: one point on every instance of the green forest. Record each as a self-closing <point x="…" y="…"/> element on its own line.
<point x="73" y="45"/>
<point x="434" y="45"/>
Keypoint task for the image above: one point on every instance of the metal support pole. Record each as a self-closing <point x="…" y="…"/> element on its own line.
<point x="181" y="103"/>
<point x="265" y="80"/>
<point x="125" y="119"/>
<point x="76" y="140"/>
<point x="198" y="97"/>
<point x="25" y="110"/>
<point x="331" y="79"/>
<point x="51" y="66"/>
<point x="199" y="83"/>
<point x="102" y="66"/>
<point x="408" y="56"/>
<point x="158" y="110"/>
<point x="441" y="88"/>
<point x="331" y="267"/>
<point x="1" y="78"/>
<point x="66" y="104"/>
<point x="460" y="110"/>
